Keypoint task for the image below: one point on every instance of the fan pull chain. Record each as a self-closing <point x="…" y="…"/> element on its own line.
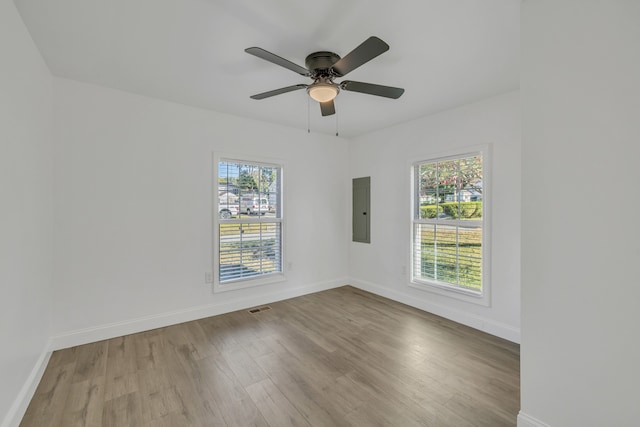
<point x="336" y="122"/>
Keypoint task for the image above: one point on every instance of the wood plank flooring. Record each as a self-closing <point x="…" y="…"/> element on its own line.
<point x="342" y="357"/>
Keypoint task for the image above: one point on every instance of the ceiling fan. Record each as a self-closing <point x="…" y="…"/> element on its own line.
<point x="324" y="67"/>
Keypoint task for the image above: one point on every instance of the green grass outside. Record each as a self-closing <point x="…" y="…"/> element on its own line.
<point x="446" y="260"/>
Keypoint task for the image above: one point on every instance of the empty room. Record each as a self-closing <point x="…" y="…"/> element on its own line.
<point x="348" y="213"/>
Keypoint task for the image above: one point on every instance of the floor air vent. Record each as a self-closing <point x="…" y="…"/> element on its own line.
<point x="258" y="310"/>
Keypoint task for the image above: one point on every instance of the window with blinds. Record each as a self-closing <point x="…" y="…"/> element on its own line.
<point x="249" y="220"/>
<point x="448" y="223"/>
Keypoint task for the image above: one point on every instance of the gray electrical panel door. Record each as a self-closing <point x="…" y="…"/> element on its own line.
<point x="361" y="206"/>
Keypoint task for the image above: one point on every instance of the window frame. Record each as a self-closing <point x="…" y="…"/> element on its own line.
<point x="443" y="288"/>
<point x="262" y="279"/>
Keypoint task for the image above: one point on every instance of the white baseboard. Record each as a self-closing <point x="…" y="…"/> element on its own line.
<point x="21" y="402"/>
<point x="477" y="322"/>
<point x="132" y="326"/>
<point x="525" y="420"/>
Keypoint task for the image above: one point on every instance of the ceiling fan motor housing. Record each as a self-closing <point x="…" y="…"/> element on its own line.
<point x="320" y="63"/>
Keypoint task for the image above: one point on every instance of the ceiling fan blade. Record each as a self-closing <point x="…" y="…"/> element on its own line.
<point x="275" y="92"/>
<point x="272" y="57"/>
<point x="367" y="50"/>
<point x="371" y="89"/>
<point x="327" y="108"/>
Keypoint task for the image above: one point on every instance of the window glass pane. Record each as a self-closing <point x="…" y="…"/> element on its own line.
<point x="448" y="189"/>
<point x="445" y="254"/>
<point x="427" y="191"/>
<point x="269" y="191"/>
<point x="470" y="195"/>
<point x="249" y="194"/>
<point x="249" y="249"/>
<point x="424" y="253"/>
<point x="470" y="257"/>
<point x="228" y="190"/>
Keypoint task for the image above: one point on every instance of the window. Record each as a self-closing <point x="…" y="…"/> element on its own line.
<point x="449" y="213"/>
<point x="249" y="221"/>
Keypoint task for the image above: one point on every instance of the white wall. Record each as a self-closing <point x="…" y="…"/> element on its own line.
<point x="25" y="210"/>
<point x="387" y="155"/>
<point x="133" y="210"/>
<point x="580" y="252"/>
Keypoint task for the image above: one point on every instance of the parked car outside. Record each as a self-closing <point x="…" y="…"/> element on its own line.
<point x="227" y="211"/>
<point x="254" y="205"/>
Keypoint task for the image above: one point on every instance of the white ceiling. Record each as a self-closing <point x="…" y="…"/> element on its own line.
<point x="444" y="53"/>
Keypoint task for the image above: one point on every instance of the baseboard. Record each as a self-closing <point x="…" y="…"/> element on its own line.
<point x="525" y="420"/>
<point x="477" y="322"/>
<point x="21" y="402"/>
<point x="141" y="324"/>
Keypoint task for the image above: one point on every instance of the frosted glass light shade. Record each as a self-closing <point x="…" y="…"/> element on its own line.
<point x="323" y="92"/>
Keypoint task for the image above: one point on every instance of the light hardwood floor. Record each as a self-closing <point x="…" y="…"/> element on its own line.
<point x="342" y="357"/>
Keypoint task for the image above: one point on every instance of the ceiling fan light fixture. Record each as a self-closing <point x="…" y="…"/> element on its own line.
<point x="323" y="92"/>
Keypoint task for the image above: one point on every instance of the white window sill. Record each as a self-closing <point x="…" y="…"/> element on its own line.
<point x="467" y="295"/>
<point x="234" y="285"/>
